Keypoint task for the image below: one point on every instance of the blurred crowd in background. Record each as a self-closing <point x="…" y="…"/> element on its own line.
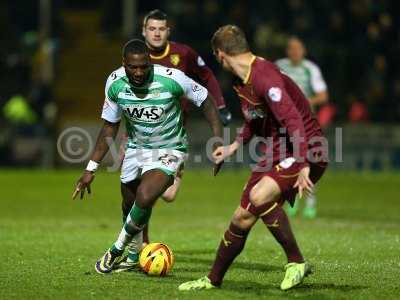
<point x="356" y="43"/>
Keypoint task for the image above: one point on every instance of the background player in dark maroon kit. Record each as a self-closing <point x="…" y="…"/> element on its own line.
<point x="180" y="56"/>
<point x="273" y="107"/>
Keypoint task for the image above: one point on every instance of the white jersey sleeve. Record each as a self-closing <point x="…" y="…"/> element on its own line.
<point x="111" y="110"/>
<point x="192" y="90"/>
<point x="318" y="83"/>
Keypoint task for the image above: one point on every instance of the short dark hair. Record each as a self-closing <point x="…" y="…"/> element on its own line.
<point x="135" y="46"/>
<point x="156" y="14"/>
<point x="230" y="39"/>
<point x="295" y="38"/>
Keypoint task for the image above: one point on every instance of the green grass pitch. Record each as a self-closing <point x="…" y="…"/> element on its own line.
<point x="49" y="243"/>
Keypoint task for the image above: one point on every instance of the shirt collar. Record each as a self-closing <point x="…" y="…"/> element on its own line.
<point x="162" y="55"/>
<point x="246" y="79"/>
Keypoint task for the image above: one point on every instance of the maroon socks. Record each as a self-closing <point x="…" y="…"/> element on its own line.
<point x="276" y="220"/>
<point x="231" y="245"/>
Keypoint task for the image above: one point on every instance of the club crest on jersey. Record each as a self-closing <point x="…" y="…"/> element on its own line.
<point x="275" y="94"/>
<point x="175" y="59"/>
<point x="145" y="113"/>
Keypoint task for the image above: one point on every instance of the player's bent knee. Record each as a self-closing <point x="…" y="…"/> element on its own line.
<point x="144" y="198"/>
<point x="244" y="224"/>
<point x="243" y="219"/>
<point x="266" y="190"/>
<point x="170" y="194"/>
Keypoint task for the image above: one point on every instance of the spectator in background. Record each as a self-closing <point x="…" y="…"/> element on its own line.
<point x="309" y="78"/>
<point x="304" y="72"/>
<point x="358" y="111"/>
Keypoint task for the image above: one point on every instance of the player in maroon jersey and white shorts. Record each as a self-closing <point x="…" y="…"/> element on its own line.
<point x="294" y="156"/>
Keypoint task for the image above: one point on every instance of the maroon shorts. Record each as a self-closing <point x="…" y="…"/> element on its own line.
<point x="285" y="176"/>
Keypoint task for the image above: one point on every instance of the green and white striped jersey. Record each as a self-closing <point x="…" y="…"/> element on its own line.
<point x="152" y="112"/>
<point x="307" y="75"/>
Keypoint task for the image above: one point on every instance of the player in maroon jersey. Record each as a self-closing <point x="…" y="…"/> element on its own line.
<point x="293" y="157"/>
<point x="180" y="56"/>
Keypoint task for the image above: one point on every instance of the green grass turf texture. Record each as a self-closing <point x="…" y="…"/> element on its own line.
<point x="49" y="243"/>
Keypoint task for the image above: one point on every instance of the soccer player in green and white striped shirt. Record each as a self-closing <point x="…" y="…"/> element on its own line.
<point x="147" y="97"/>
<point x="309" y="78"/>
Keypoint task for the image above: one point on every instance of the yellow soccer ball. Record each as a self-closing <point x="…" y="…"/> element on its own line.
<point x="156" y="259"/>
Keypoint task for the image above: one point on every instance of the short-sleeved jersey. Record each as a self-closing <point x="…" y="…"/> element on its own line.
<point x="152" y="112"/>
<point x="306" y="74"/>
<point x="274" y="107"/>
<point x="184" y="58"/>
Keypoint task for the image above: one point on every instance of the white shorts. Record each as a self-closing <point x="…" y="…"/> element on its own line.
<point x="138" y="161"/>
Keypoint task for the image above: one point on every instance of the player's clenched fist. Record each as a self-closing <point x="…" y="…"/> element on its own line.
<point x="83" y="184"/>
<point x="220" y="154"/>
<point x="223" y="152"/>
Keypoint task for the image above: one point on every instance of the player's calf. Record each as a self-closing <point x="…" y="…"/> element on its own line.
<point x="231" y="245"/>
<point x="275" y="219"/>
<point x="170" y="194"/>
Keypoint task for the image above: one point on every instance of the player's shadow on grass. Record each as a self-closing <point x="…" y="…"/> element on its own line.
<point x="255" y="288"/>
<point x="194" y="252"/>
<point x="236" y="265"/>
<point x="186" y="269"/>
<point x="251" y="288"/>
<point x="330" y="286"/>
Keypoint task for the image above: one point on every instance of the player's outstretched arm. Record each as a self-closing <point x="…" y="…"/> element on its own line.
<point x="104" y="139"/>
<point x="223" y="152"/>
<point x="211" y="114"/>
